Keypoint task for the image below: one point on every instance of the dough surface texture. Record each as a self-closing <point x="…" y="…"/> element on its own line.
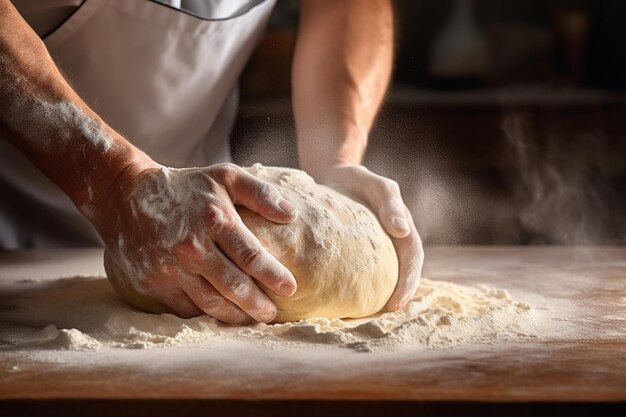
<point x="343" y="261"/>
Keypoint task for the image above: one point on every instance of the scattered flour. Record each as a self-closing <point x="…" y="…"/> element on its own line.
<point x="86" y="314"/>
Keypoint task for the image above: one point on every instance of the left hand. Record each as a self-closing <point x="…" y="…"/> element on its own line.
<point x="382" y="195"/>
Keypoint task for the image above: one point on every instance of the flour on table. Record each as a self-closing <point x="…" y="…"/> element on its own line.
<point x="84" y="313"/>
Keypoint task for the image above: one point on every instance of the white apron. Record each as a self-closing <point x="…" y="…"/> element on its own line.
<point x="163" y="78"/>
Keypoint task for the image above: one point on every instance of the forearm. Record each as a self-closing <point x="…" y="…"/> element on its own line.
<point x="45" y="119"/>
<point x="340" y="74"/>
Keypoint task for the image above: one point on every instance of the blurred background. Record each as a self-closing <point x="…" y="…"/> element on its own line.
<point x="504" y="124"/>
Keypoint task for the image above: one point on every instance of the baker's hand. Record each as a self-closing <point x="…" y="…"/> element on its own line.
<point x="179" y="239"/>
<point x="382" y="195"/>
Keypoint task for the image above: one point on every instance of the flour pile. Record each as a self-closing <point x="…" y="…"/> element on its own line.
<point x="86" y="314"/>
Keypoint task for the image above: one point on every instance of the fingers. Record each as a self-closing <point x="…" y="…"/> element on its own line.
<point x="212" y="303"/>
<point x="383" y="196"/>
<point x="386" y="201"/>
<point x="237" y="287"/>
<point x="379" y="193"/>
<point x="411" y="258"/>
<point x="182" y="305"/>
<point x="193" y="296"/>
<point x="257" y="195"/>
<point x="245" y="251"/>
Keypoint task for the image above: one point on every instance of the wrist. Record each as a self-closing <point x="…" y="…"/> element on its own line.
<point x="341" y="173"/>
<point x="110" y="176"/>
<point x="321" y="152"/>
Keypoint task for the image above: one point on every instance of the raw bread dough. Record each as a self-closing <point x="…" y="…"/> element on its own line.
<point x="344" y="263"/>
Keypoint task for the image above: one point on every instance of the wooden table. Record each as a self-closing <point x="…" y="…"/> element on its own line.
<point x="584" y="375"/>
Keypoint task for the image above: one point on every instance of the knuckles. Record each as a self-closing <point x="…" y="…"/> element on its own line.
<point x="251" y="257"/>
<point x="215" y="219"/>
<point x="149" y="285"/>
<point x="383" y="184"/>
<point x="266" y="192"/>
<point x="391" y="186"/>
<point x="237" y="288"/>
<point x="212" y="303"/>
<point x="225" y="173"/>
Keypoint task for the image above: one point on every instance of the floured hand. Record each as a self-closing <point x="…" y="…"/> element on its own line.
<point x="383" y="196"/>
<point x="176" y="235"/>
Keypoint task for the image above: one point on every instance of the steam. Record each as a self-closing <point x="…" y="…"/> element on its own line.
<point x="561" y="183"/>
<point x="547" y="187"/>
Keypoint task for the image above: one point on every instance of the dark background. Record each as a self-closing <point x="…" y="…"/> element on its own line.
<point x="530" y="150"/>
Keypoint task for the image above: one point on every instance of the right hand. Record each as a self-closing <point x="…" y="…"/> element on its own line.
<point x="179" y="239"/>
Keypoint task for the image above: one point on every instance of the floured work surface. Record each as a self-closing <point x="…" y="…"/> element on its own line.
<point x="557" y="334"/>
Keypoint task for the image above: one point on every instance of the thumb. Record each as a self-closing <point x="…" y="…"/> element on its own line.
<point x="259" y="196"/>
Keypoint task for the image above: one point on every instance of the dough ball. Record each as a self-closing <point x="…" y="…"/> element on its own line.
<point x="344" y="263"/>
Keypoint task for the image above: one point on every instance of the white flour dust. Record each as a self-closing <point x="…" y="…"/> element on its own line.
<point x="50" y="123"/>
<point x="83" y="313"/>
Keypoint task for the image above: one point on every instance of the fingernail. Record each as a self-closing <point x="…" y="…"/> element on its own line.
<point x="287" y="289"/>
<point x="268" y="313"/>
<point x="401" y="224"/>
<point x="398" y="306"/>
<point x="287" y="207"/>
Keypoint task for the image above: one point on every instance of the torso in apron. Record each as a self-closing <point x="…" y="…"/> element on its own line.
<point x="163" y="78"/>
